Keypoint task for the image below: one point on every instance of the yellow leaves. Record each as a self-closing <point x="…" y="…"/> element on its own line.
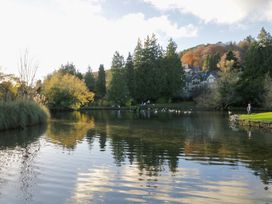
<point x="67" y="91"/>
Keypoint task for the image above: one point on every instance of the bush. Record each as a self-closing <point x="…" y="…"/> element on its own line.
<point x="20" y="114"/>
<point x="66" y="92"/>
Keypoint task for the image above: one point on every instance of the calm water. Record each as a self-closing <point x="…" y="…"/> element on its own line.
<point x="121" y="157"/>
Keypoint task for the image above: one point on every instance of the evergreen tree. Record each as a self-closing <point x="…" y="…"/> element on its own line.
<point x="258" y="63"/>
<point x="138" y="54"/>
<point x="118" y="91"/>
<point x="130" y="75"/>
<point x="89" y="79"/>
<point x="148" y="70"/>
<point x="138" y="73"/>
<point x="70" y="68"/>
<point x="117" y="61"/>
<point x="234" y="60"/>
<point x="101" y="82"/>
<point x="214" y="59"/>
<point x="173" y="71"/>
<point x="264" y="38"/>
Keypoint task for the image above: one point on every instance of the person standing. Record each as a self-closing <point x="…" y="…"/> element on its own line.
<point x="248" y="108"/>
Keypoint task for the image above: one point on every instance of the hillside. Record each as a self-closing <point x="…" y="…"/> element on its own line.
<point x="208" y="55"/>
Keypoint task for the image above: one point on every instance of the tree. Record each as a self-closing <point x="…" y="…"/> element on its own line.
<point x="214" y="59"/>
<point x="257" y="65"/>
<point x="101" y="82"/>
<point x="118" y="91"/>
<point x="268" y="92"/>
<point x="130" y="75"/>
<point x="9" y="86"/>
<point x="27" y="70"/>
<point x="206" y="64"/>
<point x="227" y="87"/>
<point x="210" y="97"/>
<point x="148" y="70"/>
<point x="89" y="80"/>
<point x="70" y="68"/>
<point x="66" y="91"/>
<point x="229" y="62"/>
<point x="264" y="38"/>
<point x="27" y="73"/>
<point x="117" y="61"/>
<point x="244" y="46"/>
<point x="172" y="70"/>
<point x="230" y="56"/>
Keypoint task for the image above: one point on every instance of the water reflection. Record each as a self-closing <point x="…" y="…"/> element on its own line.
<point x="21" y="138"/>
<point x="168" y="142"/>
<point x="161" y="141"/>
<point x="124" y="157"/>
<point x="69" y="130"/>
<point x="18" y="150"/>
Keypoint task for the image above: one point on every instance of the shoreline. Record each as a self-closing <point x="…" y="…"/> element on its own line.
<point x="259" y="120"/>
<point x="254" y="123"/>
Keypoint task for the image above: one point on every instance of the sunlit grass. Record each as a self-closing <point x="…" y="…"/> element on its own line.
<point x="266" y="117"/>
<point x="20" y="114"/>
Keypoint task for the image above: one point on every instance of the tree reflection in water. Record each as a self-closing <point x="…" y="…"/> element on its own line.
<point x="136" y="157"/>
<point x="69" y="129"/>
<point x="168" y="138"/>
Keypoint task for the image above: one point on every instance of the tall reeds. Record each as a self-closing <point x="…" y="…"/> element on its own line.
<point x="20" y="114"/>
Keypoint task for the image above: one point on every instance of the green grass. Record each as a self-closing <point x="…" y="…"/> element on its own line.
<point x="266" y="117"/>
<point x="20" y="114"/>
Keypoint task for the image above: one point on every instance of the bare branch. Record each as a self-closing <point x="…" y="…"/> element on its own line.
<point x="27" y="71"/>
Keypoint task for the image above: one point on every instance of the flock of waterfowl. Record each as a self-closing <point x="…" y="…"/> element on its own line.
<point x="166" y="110"/>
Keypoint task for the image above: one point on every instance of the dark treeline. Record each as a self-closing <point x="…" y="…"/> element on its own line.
<point x="151" y="73"/>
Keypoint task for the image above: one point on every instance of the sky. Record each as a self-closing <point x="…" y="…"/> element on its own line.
<point x="88" y="32"/>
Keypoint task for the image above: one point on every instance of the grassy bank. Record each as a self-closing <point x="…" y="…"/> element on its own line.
<point x="262" y="117"/>
<point x="20" y="114"/>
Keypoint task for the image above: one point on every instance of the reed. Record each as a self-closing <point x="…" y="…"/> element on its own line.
<point x="21" y="114"/>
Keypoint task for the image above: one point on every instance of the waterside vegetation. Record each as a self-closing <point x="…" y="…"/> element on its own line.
<point x="21" y="103"/>
<point x="21" y="114"/>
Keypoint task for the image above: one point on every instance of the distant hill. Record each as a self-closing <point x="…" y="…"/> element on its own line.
<point x="200" y="55"/>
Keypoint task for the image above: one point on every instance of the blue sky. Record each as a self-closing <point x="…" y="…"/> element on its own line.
<point x="87" y="32"/>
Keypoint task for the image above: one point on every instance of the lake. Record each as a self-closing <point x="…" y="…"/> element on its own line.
<point x="124" y="157"/>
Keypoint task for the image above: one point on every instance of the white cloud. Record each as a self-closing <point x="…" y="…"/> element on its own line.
<point x="56" y="31"/>
<point x="219" y="11"/>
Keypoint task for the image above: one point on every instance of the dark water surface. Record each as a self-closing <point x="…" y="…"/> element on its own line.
<point x="121" y="157"/>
